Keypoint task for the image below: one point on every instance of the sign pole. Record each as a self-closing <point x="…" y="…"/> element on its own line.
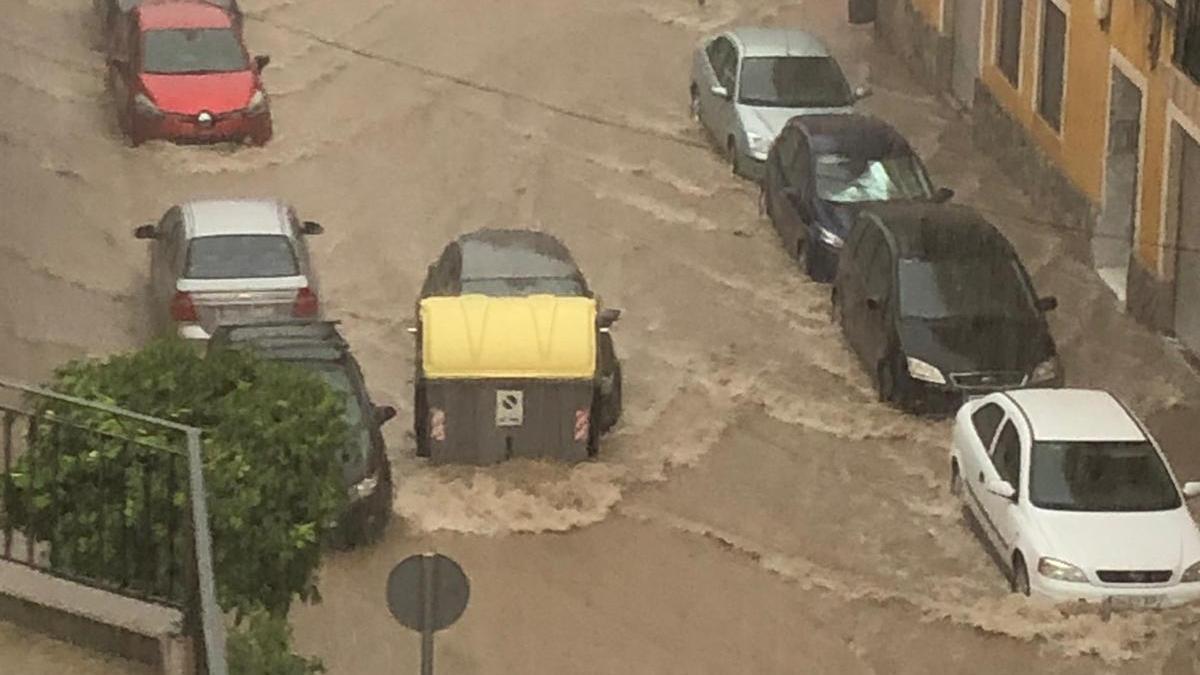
<point x="427" y="627"/>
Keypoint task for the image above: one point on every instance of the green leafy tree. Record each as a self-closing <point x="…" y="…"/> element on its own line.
<point x="272" y="435"/>
<point x="261" y="645"/>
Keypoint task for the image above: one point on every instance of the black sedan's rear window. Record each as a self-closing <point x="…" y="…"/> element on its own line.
<point x="241" y="256"/>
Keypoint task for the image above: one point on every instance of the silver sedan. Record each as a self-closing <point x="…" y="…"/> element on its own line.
<point x="748" y="82"/>
<point x="215" y="262"/>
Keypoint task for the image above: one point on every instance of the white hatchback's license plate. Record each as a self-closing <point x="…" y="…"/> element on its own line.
<point x="510" y="408"/>
<point x="1137" y="601"/>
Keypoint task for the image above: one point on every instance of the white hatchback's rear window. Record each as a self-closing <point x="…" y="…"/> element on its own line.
<point x="241" y="256"/>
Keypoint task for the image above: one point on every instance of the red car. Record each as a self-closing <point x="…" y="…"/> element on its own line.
<point x="179" y="71"/>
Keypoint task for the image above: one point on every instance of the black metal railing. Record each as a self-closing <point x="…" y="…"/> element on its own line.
<point x="134" y="543"/>
<point x="110" y="499"/>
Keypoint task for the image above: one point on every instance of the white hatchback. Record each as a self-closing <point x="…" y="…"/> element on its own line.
<point x="1078" y="499"/>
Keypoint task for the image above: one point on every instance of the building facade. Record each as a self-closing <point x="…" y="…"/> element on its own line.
<point x="1097" y="103"/>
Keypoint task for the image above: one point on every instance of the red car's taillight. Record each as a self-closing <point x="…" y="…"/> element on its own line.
<point x="182" y="308"/>
<point x="306" y="304"/>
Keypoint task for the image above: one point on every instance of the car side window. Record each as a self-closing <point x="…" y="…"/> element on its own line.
<point x="879" y="269"/>
<point x="169" y="231"/>
<point x="986" y="420"/>
<point x="1006" y="454"/>
<point x="724" y="61"/>
<point x="714" y="53"/>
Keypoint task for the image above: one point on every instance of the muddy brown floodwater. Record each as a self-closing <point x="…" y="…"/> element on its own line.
<point x="755" y="512"/>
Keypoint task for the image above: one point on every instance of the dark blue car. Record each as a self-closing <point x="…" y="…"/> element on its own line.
<point x="823" y="168"/>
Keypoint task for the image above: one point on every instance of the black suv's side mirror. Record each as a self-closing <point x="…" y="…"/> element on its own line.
<point x="1047" y="304"/>
<point x="312" y="227"/>
<point x="261" y="61"/>
<point x="607" y="317"/>
<point x="146" y="232"/>
<point x="942" y="195"/>
<point x="383" y="413"/>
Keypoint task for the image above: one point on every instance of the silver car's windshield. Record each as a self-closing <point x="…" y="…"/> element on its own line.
<point x="847" y="179"/>
<point x="514" y="286"/>
<point x="192" y="50"/>
<point x="1105" y="476"/>
<point x="793" y="82"/>
<point x="241" y="256"/>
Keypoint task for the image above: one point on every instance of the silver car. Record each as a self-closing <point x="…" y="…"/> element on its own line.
<point x="216" y="262"/>
<point x="748" y="82"/>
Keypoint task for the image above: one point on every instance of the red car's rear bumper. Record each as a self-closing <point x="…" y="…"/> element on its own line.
<point x="240" y="127"/>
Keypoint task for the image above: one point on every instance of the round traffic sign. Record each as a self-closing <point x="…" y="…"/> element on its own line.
<point x="427" y="592"/>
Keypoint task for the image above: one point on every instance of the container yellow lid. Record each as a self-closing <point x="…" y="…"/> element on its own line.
<point x="539" y="336"/>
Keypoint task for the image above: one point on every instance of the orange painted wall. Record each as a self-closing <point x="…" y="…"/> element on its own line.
<point x="930" y="10"/>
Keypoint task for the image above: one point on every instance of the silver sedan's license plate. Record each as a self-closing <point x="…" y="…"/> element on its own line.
<point x="510" y="407"/>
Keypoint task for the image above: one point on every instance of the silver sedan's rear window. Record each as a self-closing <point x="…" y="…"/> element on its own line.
<point x="241" y="256"/>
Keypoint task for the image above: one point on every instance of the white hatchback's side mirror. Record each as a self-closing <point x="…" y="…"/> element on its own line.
<point x="1191" y="489"/>
<point x="720" y="92"/>
<point x="1001" y="488"/>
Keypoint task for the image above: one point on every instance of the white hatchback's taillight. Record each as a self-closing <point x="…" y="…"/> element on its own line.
<point x="182" y="308"/>
<point x="306" y="304"/>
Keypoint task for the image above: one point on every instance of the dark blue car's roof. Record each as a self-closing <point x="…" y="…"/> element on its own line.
<point x="854" y="135"/>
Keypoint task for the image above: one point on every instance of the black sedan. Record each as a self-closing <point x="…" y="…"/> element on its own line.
<point x="938" y="307"/>
<point x="824" y="168"/>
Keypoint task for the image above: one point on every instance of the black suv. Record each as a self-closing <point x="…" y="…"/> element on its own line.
<point x="318" y="347"/>
<point x="938" y="307"/>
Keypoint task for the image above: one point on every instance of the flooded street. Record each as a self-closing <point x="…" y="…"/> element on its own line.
<point x="756" y="511"/>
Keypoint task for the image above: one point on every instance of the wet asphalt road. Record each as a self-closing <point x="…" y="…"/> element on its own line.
<point x="755" y="512"/>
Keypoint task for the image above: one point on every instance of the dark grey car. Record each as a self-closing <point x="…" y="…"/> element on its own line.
<point x="500" y="263"/>
<point x="317" y="346"/>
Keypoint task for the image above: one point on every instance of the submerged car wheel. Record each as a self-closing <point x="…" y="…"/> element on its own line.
<point x="956" y="486"/>
<point x="835" y="309"/>
<point x="732" y="153"/>
<point x="804" y="255"/>
<point x="1020" y="576"/>
<point x="886" y="382"/>
<point x="614" y="402"/>
<point x="421" y="422"/>
<point x="694" y="104"/>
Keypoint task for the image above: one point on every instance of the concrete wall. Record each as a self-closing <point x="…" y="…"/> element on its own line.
<point x="1003" y="138"/>
<point x="95" y="619"/>
<point x="911" y="30"/>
